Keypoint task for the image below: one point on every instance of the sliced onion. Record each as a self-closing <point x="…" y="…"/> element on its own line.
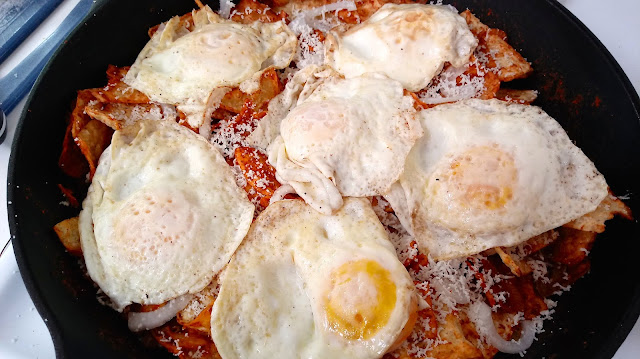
<point x="320" y="10"/>
<point x="225" y="8"/>
<point x="307" y="17"/>
<point x="480" y="315"/>
<point x="278" y="194"/>
<point x="139" y="321"/>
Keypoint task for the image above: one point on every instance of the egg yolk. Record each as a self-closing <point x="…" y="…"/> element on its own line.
<point x="360" y="299"/>
<point x="481" y="178"/>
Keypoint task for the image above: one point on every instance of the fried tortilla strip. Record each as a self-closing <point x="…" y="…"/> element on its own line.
<point x="186" y="21"/>
<point x="475" y="81"/>
<point x="451" y="343"/>
<point x="560" y="277"/>
<point x="270" y="86"/>
<point x="494" y="50"/>
<point x="120" y="115"/>
<point x="197" y="314"/>
<point x="491" y="80"/>
<point x="260" y="175"/>
<point x="525" y="97"/>
<point x="78" y="118"/>
<point x="232" y="132"/>
<point x="69" y="235"/>
<point x="366" y="8"/>
<point x="606" y="210"/>
<point x="118" y="91"/>
<point x="248" y="11"/>
<point x="185" y="342"/>
<point x="522" y="298"/>
<point x="88" y="134"/>
<point x="71" y="160"/>
<point x="533" y="244"/>
<point x="573" y="246"/>
<point x="68" y="194"/>
<point x="513" y="257"/>
<point x="457" y="346"/>
<point x="517" y="266"/>
<point x="92" y="140"/>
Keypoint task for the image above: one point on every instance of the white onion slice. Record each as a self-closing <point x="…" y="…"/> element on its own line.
<point x="480" y="315"/>
<point x="139" y="321"/>
<point x="225" y="8"/>
<point x="278" y="194"/>
<point x="307" y="17"/>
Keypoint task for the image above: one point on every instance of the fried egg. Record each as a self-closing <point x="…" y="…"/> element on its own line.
<point x="308" y="285"/>
<point x="489" y="174"/>
<point x="162" y="216"/>
<point x="347" y="137"/>
<point x="182" y="65"/>
<point x="409" y="43"/>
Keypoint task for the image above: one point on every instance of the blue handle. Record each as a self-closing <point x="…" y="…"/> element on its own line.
<point x="19" y="19"/>
<point x="15" y="85"/>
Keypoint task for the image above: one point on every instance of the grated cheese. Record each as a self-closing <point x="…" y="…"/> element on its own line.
<point x="447" y="89"/>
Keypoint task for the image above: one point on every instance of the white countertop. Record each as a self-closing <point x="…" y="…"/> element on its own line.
<point x="23" y="334"/>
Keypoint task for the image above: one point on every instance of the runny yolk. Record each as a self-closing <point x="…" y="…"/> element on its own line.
<point x="360" y="299"/>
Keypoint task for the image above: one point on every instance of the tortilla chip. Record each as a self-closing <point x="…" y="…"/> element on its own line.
<point x="573" y="246"/>
<point x="186" y="21"/>
<point x="78" y="118"/>
<point x="68" y="194"/>
<point x="260" y="175"/>
<point x="118" y="91"/>
<point x="513" y="256"/>
<point x="182" y="341"/>
<point x="120" y="115"/>
<point x="514" y="263"/>
<point x="606" y="210"/>
<point x="92" y="140"/>
<point x="69" y="235"/>
<point x="197" y="314"/>
<point x="525" y="97"/>
<point x="248" y="11"/>
<point x="71" y="160"/>
<point x="495" y="52"/>
<point x="270" y="86"/>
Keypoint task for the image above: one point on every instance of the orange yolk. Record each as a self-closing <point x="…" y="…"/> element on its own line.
<point x="360" y="299"/>
<point x="481" y="178"/>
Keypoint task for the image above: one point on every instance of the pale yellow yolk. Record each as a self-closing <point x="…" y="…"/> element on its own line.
<point x="481" y="178"/>
<point x="360" y="299"/>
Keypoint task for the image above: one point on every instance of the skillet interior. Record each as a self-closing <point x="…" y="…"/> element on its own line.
<point x="580" y="85"/>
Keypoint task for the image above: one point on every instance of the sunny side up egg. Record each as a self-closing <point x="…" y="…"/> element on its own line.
<point x="308" y="285"/>
<point x="162" y="216"/>
<point x="345" y="137"/>
<point x="183" y="66"/>
<point x="488" y="174"/>
<point x="409" y="43"/>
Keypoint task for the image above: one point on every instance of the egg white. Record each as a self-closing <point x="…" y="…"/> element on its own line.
<point x="162" y="216"/>
<point x="183" y="67"/>
<point x="407" y="42"/>
<point x="488" y="174"/>
<point x="345" y="137"/>
<point x="272" y="300"/>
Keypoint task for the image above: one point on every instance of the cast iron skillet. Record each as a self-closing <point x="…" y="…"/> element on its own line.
<point x="580" y="85"/>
